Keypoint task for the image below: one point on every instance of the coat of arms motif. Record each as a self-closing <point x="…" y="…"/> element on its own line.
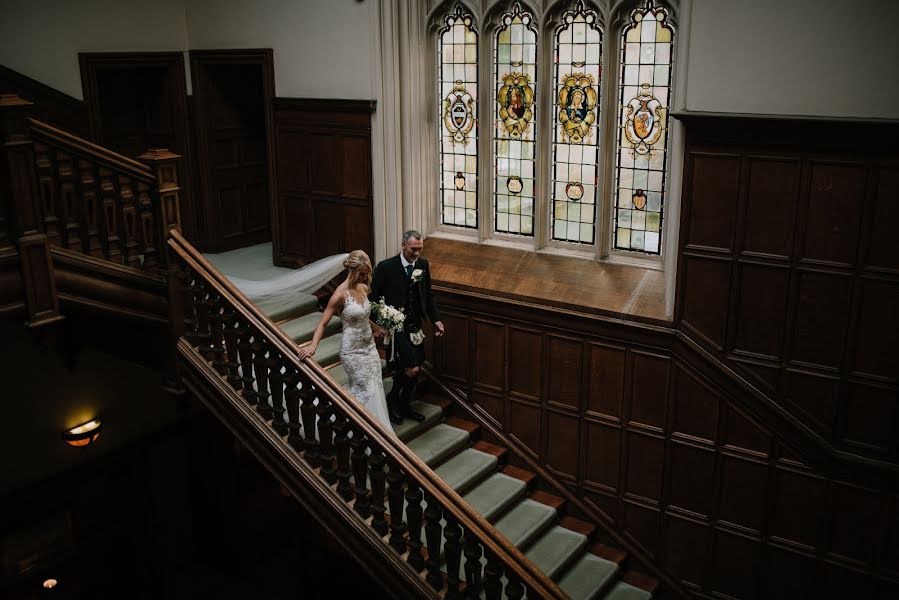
<point x="516" y="101"/>
<point x="577" y="99"/>
<point x="458" y="113"/>
<point x="645" y="119"/>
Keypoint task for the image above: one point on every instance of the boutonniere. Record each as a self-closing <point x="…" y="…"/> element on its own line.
<point x="416" y="275"/>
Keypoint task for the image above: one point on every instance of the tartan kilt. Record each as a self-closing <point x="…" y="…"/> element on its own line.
<point x="406" y="354"/>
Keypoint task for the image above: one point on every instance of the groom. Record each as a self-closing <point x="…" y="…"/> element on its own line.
<point x="405" y="283"/>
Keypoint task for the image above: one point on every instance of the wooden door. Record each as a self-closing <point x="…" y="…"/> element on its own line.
<point x="233" y="109"/>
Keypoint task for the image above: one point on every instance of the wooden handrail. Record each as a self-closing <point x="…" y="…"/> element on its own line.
<point x="101" y="155"/>
<point x="449" y="499"/>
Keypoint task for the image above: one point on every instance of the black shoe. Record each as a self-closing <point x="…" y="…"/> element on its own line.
<point x="415" y="416"/>
<point x="395" y="417"/>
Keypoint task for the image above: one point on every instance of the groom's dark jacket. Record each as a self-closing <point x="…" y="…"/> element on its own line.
<point x="391" y="282"/>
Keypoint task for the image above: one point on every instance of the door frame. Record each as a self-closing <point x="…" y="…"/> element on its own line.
<point x="92" y="63"/>
<point x="210" y="231"/>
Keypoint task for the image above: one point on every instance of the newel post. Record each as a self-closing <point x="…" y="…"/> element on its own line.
<point x="168" y="213"/>
<point x="21" y="206"/>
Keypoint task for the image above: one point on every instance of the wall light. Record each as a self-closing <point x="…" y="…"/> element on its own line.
<point x="49" y="584"/>
<point x="84" y="434"/>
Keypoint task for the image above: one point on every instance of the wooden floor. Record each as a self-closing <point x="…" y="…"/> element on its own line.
<point x="565" y="282"/>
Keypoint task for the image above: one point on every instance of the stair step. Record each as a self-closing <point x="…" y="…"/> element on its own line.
<point x="281" y="310"/>
<point x="641" y="581"/>
<point x="470" y="426"/>
<point x="498" y="451"/>
<point x="438" y="399"/>
<point x="548" y="499"/>
<point x="302" y="328"/>
<point x="625" y="591"/>
<point x="328" y="351"/>
<point x="525" y="522"/>
<point x="437" y="443"/>
<point x="466" y="468"/>
<point x="589" y="576"/>
<point x="409" y="428"/>
<point x="583" y="527"/>
<point x="494" y="495"/>
<point x="553" y="551"/>
<point x="518" y="473"/>
<point x="610" y="553"/>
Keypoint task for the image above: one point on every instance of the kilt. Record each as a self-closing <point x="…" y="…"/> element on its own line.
<point x="406" y="353"/>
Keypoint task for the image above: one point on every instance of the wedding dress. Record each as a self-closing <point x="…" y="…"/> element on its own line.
<point x="361" y="361"/>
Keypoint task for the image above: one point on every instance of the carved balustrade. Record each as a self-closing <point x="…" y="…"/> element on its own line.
<point x="387" y="487"/>
<point x="85" y="198"/>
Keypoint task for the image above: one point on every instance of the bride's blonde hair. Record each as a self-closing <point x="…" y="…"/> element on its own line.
<point x="359" y="266"/>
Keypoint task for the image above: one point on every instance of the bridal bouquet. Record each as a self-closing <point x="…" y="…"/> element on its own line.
<point x="388" y="317"/>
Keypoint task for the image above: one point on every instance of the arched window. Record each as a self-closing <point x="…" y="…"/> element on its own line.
<point x="578" y="47"/>
<point x="457" y="52"/>
<point x="579" y="168"/>
<point x="645" y="91"/>
<point x="515" y="80"/>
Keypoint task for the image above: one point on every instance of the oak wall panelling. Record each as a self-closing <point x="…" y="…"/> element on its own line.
<point x="324" y="198"/>
<point x="660" y="445"/>
<point x="787" y="273"/>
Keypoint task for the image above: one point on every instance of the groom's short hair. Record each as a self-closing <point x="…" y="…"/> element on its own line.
<point x="408" y="235"/>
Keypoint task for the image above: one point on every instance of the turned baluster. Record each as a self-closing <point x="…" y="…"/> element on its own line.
<point x="342" y="448"/>
<point x="514" y="588"/>
<point x="493" y="572"/>
<point x="148" y="233"/>
<point x="47" y="184"/>
<point x="433" y="533"/>
<point x="472" y="550"/>
<point x="186" y="280"/>
<point x="260" y="371"/>
<point x="201" y="307"/>
<point x="307" y="412"/>
<point x="245" y="352"/>
<point x="376" y="462"/>
<point x="218" y="339"/>
<point x="90" y="207"/>
<point x="360" y="473"/>
<point x="453" y="550"/>
<point x="229" y="322"/>
<point x="109" y="211"/>
<point x="395" y="480"/>
<point x="127" y="205"/>
<point x="276" y="381"/>
<point x="325" y="450"/>
<point x="413" y="520"/>
<point x="68" y="202"/>
<point x="292" y="399"/>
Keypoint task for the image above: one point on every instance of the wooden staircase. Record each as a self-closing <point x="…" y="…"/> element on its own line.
<point x="568" y="550"/>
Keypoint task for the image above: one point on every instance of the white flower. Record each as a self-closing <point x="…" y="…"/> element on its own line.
<point x="416" y="275"/>
<point x="388" y="317"/>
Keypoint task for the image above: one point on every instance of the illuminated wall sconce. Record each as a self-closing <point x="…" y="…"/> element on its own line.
<point x="49" y="584"/>
<point x="84" y="434"/>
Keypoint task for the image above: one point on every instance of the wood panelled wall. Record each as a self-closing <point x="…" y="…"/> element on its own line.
<point x="789" y="268"/>
<point x="50" y="105"/>
<point x="324" y="179"/>
<point x="635" y="422"/>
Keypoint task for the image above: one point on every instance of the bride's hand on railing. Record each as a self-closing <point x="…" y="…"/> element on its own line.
<point x="306" y="352"/>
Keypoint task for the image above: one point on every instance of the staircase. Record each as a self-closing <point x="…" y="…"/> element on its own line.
<point x="562" y="546"/>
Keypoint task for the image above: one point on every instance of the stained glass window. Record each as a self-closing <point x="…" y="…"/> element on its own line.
<point x="578" y="48"/>
<point x="644" y="90"/>
<point x="457" y="50"/>
<point x="516" y="69"/>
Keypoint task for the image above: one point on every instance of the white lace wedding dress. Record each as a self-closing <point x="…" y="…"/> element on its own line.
<point x="361" y="361"/>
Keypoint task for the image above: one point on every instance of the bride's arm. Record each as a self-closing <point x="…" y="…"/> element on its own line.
<point x="330" y="310"/>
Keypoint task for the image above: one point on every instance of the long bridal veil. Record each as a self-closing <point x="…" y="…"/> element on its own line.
<point x="271" y="293"/>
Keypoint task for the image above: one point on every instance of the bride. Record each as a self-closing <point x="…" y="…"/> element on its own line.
<point x="357" y="346"/>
